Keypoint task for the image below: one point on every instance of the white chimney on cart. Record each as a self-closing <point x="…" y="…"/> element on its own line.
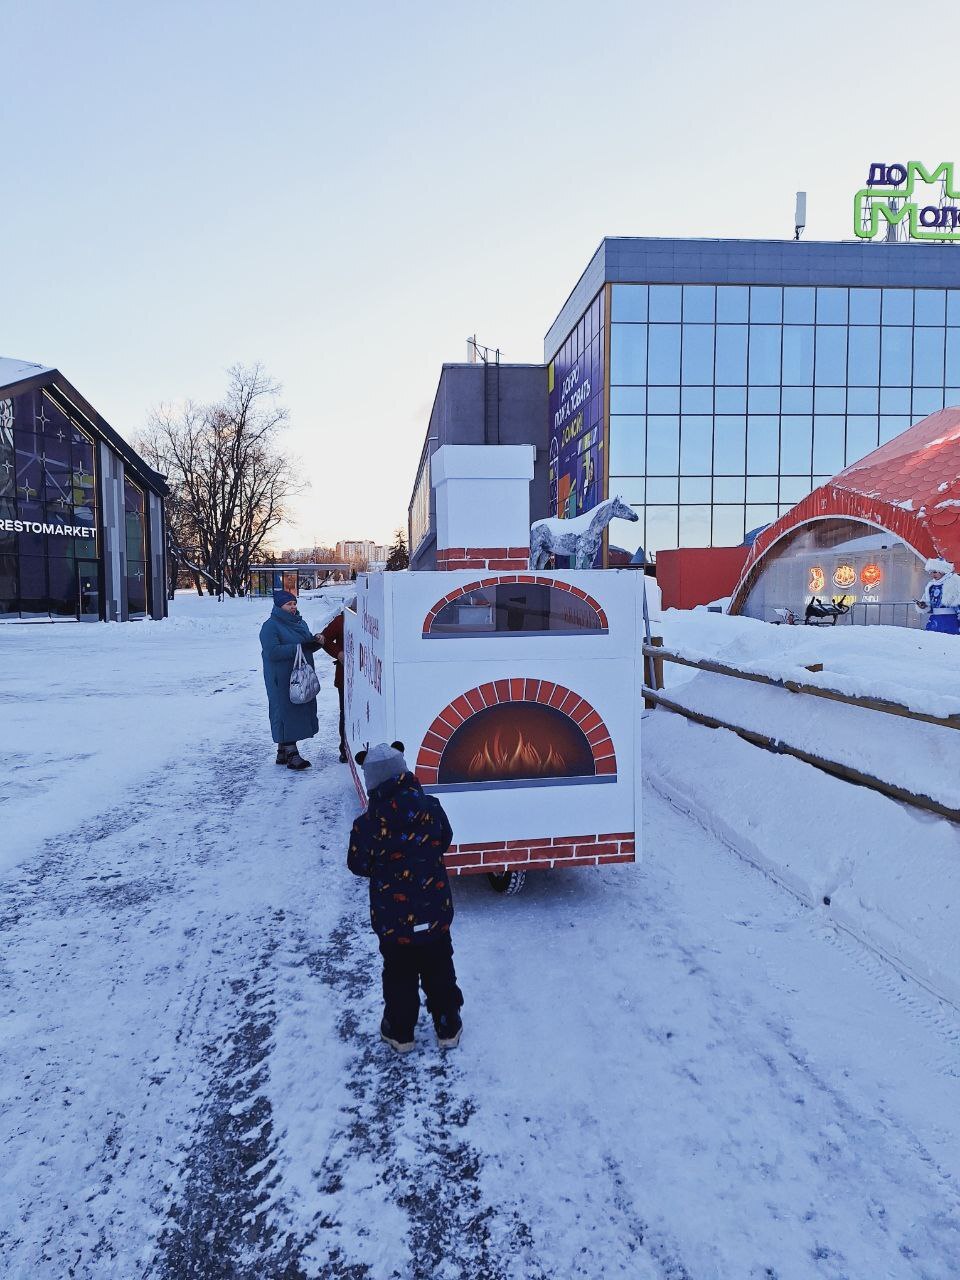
<point x="483" y="505"/>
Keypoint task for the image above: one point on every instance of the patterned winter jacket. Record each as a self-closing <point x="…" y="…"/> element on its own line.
<point x="399" y="843"/>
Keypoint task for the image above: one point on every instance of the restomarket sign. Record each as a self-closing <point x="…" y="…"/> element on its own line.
<point x="39" y="526"/>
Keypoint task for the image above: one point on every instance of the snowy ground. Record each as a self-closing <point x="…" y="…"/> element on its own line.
<point x="677" y="1070"/>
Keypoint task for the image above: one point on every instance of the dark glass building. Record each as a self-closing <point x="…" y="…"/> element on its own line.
<point x="81" y="514"/>
<point x="713" y="384"/>
<point x="489" y="403"/>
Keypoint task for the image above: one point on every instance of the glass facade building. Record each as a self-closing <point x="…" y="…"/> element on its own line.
<point x="47" y="481"/>
<point x="743" y="374"/>
<point x="81" y="516"/>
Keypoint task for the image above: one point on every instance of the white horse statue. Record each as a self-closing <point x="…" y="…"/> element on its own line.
<point x="579" y="537"/>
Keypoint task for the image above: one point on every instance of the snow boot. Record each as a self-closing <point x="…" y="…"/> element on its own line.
<point x="296" y="761"/>
<point x="283" y="753"/>
<point x="449" y="1031"/>
<point x="344" y="758"/>
<point x="387" y="1036"/>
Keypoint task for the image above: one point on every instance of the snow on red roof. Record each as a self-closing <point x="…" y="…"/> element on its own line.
<point x="910" y="485"/>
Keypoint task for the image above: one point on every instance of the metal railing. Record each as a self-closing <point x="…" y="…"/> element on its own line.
<point x="865" y="613"/>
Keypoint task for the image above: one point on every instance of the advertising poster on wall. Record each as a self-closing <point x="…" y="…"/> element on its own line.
<point x="575" y="385"/>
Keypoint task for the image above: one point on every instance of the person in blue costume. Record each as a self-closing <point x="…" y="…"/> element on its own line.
<point x="279" y="637"/>
<point x="941" y="598"/>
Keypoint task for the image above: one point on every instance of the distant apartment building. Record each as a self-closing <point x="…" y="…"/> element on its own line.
<point x="364" y="549"/>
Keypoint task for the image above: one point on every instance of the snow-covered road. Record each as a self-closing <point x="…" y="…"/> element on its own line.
<point x="673" y="1071"/>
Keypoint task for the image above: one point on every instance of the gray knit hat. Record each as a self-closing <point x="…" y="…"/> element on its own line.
<point x="381" y="763"/>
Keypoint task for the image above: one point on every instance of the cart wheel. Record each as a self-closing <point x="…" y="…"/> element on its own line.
<point x="508" y="882"/>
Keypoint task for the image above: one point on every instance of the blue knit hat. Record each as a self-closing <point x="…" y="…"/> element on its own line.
<point x="282" y="597"/>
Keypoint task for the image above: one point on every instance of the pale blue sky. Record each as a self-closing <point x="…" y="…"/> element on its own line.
<point x="345" y="193"/>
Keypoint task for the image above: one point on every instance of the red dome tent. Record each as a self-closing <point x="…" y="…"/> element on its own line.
<point x="910" y="486"/>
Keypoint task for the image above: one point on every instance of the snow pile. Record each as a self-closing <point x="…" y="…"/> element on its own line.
<point x="891" y="873"/>
<point x="912" y="667"/>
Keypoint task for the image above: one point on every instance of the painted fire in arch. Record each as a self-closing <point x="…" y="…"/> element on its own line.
<point x="513" y="755"/>
<point x="513" y="742"/>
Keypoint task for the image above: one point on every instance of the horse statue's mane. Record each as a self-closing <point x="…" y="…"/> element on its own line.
<point x="579" y="537"/>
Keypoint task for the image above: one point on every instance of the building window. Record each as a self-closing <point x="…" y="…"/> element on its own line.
<point x="47" y="479"/>
<point x="825" y="374"/>
<point x="516" y="608"/>
<point x="136" y="549"/>
<point x="420" y="503"/>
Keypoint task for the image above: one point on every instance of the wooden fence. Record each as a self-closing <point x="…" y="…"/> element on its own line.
<point x="656" y="655"/>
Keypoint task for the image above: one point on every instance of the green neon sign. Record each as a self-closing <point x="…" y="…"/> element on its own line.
<point x="903" y="184"/>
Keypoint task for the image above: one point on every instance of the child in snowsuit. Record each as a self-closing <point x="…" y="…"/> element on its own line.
<point x="399" y="844"/>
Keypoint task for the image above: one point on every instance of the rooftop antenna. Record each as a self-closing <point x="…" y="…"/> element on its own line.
<point x="477" y="353"/>
<point x="800" y="214"/>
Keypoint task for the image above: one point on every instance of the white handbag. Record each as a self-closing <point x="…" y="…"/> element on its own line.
<point x="304" y="683"/>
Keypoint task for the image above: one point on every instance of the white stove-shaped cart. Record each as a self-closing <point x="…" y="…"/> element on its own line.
<point x="517" y="695"/>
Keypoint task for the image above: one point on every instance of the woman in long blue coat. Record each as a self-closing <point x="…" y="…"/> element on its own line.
<point x="279" y="637"/>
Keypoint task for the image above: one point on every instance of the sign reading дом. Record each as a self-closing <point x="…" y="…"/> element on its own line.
<point x="909" y="195"/>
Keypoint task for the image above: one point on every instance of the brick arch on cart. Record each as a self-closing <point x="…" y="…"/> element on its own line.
<point x="494" y="693"/>
<point x="910" y="487"/>
<point x="508" y="579"/>
<point x="530" y="853"/>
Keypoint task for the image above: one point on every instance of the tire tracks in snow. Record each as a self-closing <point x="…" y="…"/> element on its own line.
<point x="409" y="1117"/>
<point x="218" y="1227"/>
<point x="92" y="908"/>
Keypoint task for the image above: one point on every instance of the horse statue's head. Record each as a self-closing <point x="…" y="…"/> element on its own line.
<point x="619" y="510"/>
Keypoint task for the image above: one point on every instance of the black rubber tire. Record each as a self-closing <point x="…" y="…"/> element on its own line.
<point x="507" y="882"/>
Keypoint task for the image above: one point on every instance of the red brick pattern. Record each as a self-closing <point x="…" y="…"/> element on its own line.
<point x="483" y="558"/>
<point x="546" y="692"/>
<point x="507" y="579"/>
<point x="533" y="855"/>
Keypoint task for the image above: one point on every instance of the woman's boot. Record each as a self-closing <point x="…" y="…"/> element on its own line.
<point x="296" y="761"/>
<point x="283" y="751"/>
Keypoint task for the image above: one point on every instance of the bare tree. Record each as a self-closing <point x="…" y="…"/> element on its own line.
<point x="229" y="481"/>
<point x="171" y="444"/>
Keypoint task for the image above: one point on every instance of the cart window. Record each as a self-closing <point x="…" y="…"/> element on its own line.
<point x="516" y="608"/>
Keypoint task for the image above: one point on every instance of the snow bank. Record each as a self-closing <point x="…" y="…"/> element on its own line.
<point x="892" y="873"/>
<point x="916" y="668"/>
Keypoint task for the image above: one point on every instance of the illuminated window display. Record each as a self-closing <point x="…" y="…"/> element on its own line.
<point x="861" y="540"/>
<point x="843" y="561"/>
